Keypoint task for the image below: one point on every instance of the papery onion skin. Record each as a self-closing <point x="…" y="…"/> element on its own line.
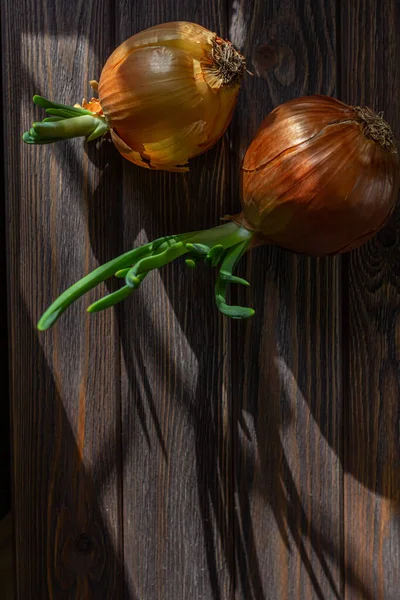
<point x="161" y="97"/>
<point x="313" y="182"/>
<point x="166" y="95"/>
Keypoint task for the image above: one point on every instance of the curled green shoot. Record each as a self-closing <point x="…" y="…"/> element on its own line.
<point x="225" y="277"/>
<point x="221" y="246"/>
<point x="65" y="122"/>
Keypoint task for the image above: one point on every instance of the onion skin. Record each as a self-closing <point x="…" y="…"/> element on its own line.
<point x="313" y="182"/>
<point x="166" y="95"/>
<point x="161" y="98"/>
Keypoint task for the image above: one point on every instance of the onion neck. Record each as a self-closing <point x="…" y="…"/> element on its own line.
<point x="223" y="66"/>
<point x="375" y="128"/>
<point x="65" y="122"/>
<point x="221" y="247"/>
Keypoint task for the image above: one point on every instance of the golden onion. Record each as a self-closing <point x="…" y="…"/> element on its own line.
<point x="166" y="94"/>
<point x="319" y="178"/>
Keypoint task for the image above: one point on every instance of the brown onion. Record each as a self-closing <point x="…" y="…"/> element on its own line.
<point x="320" y="177"/>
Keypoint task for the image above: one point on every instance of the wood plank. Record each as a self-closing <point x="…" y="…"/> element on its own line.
<point x="6" y="558"/>
<point x="287" y="370"/>
<point x="177" y="462"/>
<point x="370" y="50"/>
<point x="5" y="483"/>
<point x="65" y="392"/>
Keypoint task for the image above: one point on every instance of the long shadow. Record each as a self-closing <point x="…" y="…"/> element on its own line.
<point x="79" y="558"/>
<point x="269" y="475"/>
<point x="78" y="554"/>
<point x="186" y="292"/>
<point x="71" y="549"/>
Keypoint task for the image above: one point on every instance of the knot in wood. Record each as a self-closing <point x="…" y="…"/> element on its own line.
<point x="84" y="544"/>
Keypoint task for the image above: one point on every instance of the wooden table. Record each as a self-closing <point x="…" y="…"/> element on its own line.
<point x="161" y="451"/>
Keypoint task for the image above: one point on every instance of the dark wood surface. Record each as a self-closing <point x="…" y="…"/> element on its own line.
<point x="65" y="387"/>
<point x="5" y="487"/>
<point x="287" y="382"/>
<point x="370" y="50"/>
<point x="160" y="451"/>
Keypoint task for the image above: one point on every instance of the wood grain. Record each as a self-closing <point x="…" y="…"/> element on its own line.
<point x="161" y="451"/>
<point x="6" y="558"/>
<point x="370" y="48"/>
<point x="287" y="370"/>
<point x="177" y="463"/>
<point x="5" y="483"/>
<point x="65" y="392"/>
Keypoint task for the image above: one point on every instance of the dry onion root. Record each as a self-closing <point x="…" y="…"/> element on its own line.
<point x="166" y="94"/>
<point x="319" y="178"/>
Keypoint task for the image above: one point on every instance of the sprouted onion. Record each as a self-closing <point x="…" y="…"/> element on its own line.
<point x="319" y="178"/>
<point x="166" y="94"/>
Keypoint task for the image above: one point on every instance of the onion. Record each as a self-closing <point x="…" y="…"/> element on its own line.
<point x="319" y="178"/>
<point x="166" y="95"/>
<point x="327" y="182"/>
